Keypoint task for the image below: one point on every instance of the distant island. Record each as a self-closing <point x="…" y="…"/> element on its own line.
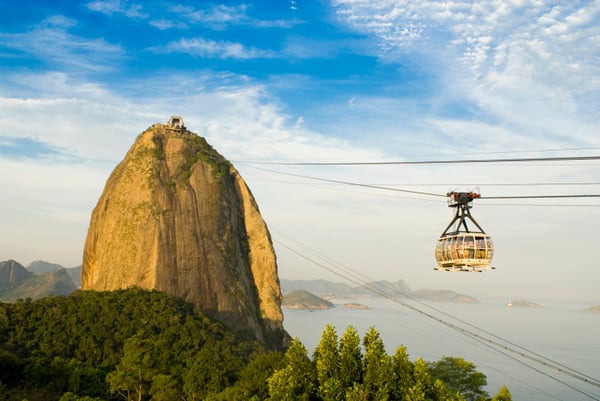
<point x="354" y="305"/>
<point x="520" y="303"/>
<point x="331" y="290"/>
<point x="593" y="309"/>
<point x="300" y="299"/>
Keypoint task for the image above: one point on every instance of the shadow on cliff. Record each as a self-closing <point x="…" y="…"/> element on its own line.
<point x="274" y="338"/>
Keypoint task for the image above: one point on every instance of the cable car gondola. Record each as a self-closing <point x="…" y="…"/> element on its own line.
<point x="461" y="249"/>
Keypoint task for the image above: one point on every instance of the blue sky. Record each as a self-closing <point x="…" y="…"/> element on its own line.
<point x="343" y="80"/>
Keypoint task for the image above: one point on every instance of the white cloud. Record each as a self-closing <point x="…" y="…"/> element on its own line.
<point x="110" y="7"/>
<point x="217" y="16"/>
<point x="52" y="43"/>
<point x="395" y="23"/>
<point x="299" y="122"/>
<point x="220" y="16"/>
<point x="59" y="21"/>
<point x="165" y="24"/>
<point x="201" y="47"/>
<point x="531" y="65"/>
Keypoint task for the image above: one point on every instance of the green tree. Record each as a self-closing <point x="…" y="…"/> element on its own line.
<point x="350" y="358"/>
<point x="403" y="373"/>
<point x="165" y="388"/>
<point x="357" y="392"/>
<point x="88" y="381"/>
<point x="68" y="344"/>
<point x="503" y="394"/>
<point x="440" y="392"/>
<point x="296" y="381"/>
<point x="460" y="376"/>
<point x="74" y="397"/>
<point x="253" y="380"/>
<point x="133" y="375"/>
<point x="327" y="361"/>
<point x="211" y="370"/>
<point x="377" y="367"/>
<point x="421" y="382"/>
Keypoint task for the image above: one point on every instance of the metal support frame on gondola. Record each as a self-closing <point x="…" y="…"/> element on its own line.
<point x="462" y="202"/>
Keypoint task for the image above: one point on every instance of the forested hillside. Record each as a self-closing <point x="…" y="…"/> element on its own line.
<point x="146" y="345"/>
<point x="90" y="343"/>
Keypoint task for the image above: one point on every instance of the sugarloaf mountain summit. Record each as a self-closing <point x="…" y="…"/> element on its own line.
<point x="177" y="217"/>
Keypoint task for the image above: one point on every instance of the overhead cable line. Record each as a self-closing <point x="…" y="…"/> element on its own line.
<point x="532" y="356"/>
<point x="351" y="183"/>
<point x="496" y="184"/>
<point x="543" y="205"/>
<point x="408" y="162"/>
<point x="542" y="196"/>
<point x="533" y="151"/>
<point x="385" y="188"/>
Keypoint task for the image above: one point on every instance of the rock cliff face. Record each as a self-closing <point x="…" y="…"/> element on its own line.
<point x="177" y="217"/>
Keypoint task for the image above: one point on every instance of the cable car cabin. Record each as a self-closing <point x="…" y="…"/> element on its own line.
<point x="461" y="248"/>
<point x="464" y="252"/>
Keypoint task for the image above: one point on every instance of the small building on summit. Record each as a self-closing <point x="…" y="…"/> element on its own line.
<point x="176" y="122"/>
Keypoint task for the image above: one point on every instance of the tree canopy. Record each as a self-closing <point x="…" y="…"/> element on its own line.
<point x="117" y="345"/>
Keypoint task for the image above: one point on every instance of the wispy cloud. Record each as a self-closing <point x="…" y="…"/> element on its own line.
<point x="479" y="28"/>
<point x="111" y="7"/>
<point x="165" y="24"/>
<point x="59" y="21"/>
<point x="165" y="16"/>
<point x="532" y="65"/>
<point x="25" y="148"/>
<point x="395" y="23"/>
<point x="51" y="42"/>
<point x="200" y="47"/>
<point x="221" y="16"/>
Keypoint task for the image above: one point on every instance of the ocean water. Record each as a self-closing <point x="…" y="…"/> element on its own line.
<point x="559" y="331"/>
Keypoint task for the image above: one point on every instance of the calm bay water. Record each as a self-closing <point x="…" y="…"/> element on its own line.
<point x="561" y="332"/>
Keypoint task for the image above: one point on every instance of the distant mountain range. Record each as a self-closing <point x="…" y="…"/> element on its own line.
<point x="40" y="279"/>
<point x="329" y="290"/>
<point x="40" y="266"/>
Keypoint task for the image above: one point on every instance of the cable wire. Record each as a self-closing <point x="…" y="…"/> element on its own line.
<point x="542" y="196"/>
<point x="351" y="183"/>
<point x="417" y="162"/>
<point x="385" y="188"/>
